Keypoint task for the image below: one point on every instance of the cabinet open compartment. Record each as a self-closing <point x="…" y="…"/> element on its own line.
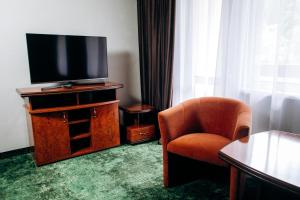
<point x="52" y="101"/>
<point x="97" y="96"/>
<point x="79" y="115"/>
<point x="79" y="128"/>
<point x="80" y="145"/>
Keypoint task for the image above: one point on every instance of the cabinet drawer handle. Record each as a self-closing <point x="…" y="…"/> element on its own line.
<point x="141" y="133"/>
<point x="94" y="114"/>
<point x="65" y="117"/>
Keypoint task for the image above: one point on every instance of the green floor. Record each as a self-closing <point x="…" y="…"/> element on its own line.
<point x="125" y="172"/>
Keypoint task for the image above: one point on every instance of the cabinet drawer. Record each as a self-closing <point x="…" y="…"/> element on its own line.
<point x="141" y="133"/>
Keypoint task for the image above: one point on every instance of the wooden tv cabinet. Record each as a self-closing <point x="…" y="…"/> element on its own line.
<point x="68" y="122"/>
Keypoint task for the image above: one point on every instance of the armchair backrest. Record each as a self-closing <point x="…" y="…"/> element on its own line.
<point x="213" y="115"/>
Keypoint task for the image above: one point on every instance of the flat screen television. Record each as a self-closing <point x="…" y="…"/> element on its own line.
<point x="66" y="58"/>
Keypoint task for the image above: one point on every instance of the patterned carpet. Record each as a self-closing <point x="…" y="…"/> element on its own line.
<point x="125" y="172"/>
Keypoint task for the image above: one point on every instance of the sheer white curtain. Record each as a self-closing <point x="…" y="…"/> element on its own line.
<point x="196" y="45"/>
<point x="257" y="59"/>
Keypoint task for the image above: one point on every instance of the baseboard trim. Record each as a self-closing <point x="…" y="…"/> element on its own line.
<point x="16" y="152"/>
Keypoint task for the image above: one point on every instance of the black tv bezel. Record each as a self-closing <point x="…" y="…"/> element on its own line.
<point x="76" y="81"/>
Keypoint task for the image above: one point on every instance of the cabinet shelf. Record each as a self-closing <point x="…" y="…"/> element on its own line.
<point x="80" y="144"/>
<point x="83" y="151"/>
<point x="80" y="136"/>
<point x="79" y="121"/>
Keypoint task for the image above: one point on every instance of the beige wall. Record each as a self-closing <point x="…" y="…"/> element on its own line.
<point x="115" y="19"/>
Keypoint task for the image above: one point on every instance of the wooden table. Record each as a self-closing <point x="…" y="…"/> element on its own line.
<point x="272" y="156"/>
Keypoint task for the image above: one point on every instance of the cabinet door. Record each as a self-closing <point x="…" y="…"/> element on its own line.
<point x="105" y="126"/>
<point x="51" y="137"/>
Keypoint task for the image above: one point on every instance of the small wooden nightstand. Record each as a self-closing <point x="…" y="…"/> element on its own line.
<point x="138" y="123"/>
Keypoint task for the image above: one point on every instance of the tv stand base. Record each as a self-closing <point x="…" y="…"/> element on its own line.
<point x="65" y="123"/>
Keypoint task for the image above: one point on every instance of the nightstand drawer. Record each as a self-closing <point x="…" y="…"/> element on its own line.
<point x="141" y="133"/>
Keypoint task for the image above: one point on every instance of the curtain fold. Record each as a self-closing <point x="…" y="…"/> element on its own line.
<point x="156" y="26"/>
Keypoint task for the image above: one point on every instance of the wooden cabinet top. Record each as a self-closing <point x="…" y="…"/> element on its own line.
<point x="139" y="108"/>
<point x="37" y="91"/>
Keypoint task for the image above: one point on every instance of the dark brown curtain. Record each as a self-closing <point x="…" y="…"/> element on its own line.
<point x="156" y="24"/>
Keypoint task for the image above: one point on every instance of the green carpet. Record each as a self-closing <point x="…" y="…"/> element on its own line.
<point x="125" y="172"/>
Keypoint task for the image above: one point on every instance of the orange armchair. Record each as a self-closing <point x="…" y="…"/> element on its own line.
<point x="198" y="128"/>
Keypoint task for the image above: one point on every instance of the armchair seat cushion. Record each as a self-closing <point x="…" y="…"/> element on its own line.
<point x="199" y="146"/>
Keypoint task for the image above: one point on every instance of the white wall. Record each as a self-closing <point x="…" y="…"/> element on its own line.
<point x="115" y="19"/>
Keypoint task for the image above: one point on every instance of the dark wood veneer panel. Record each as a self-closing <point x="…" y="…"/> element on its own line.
<point x="105" y="127"/>
<point x="51" y="137"/>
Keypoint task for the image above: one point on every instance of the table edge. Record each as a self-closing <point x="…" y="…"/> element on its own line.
<point x="258" y="174"/>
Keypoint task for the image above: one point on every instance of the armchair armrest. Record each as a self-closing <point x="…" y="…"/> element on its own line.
<point x="171" y="123"/>
<point x="243" y="125"/>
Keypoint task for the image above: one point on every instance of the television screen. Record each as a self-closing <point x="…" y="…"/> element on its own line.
<point x="63" y="58"/>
